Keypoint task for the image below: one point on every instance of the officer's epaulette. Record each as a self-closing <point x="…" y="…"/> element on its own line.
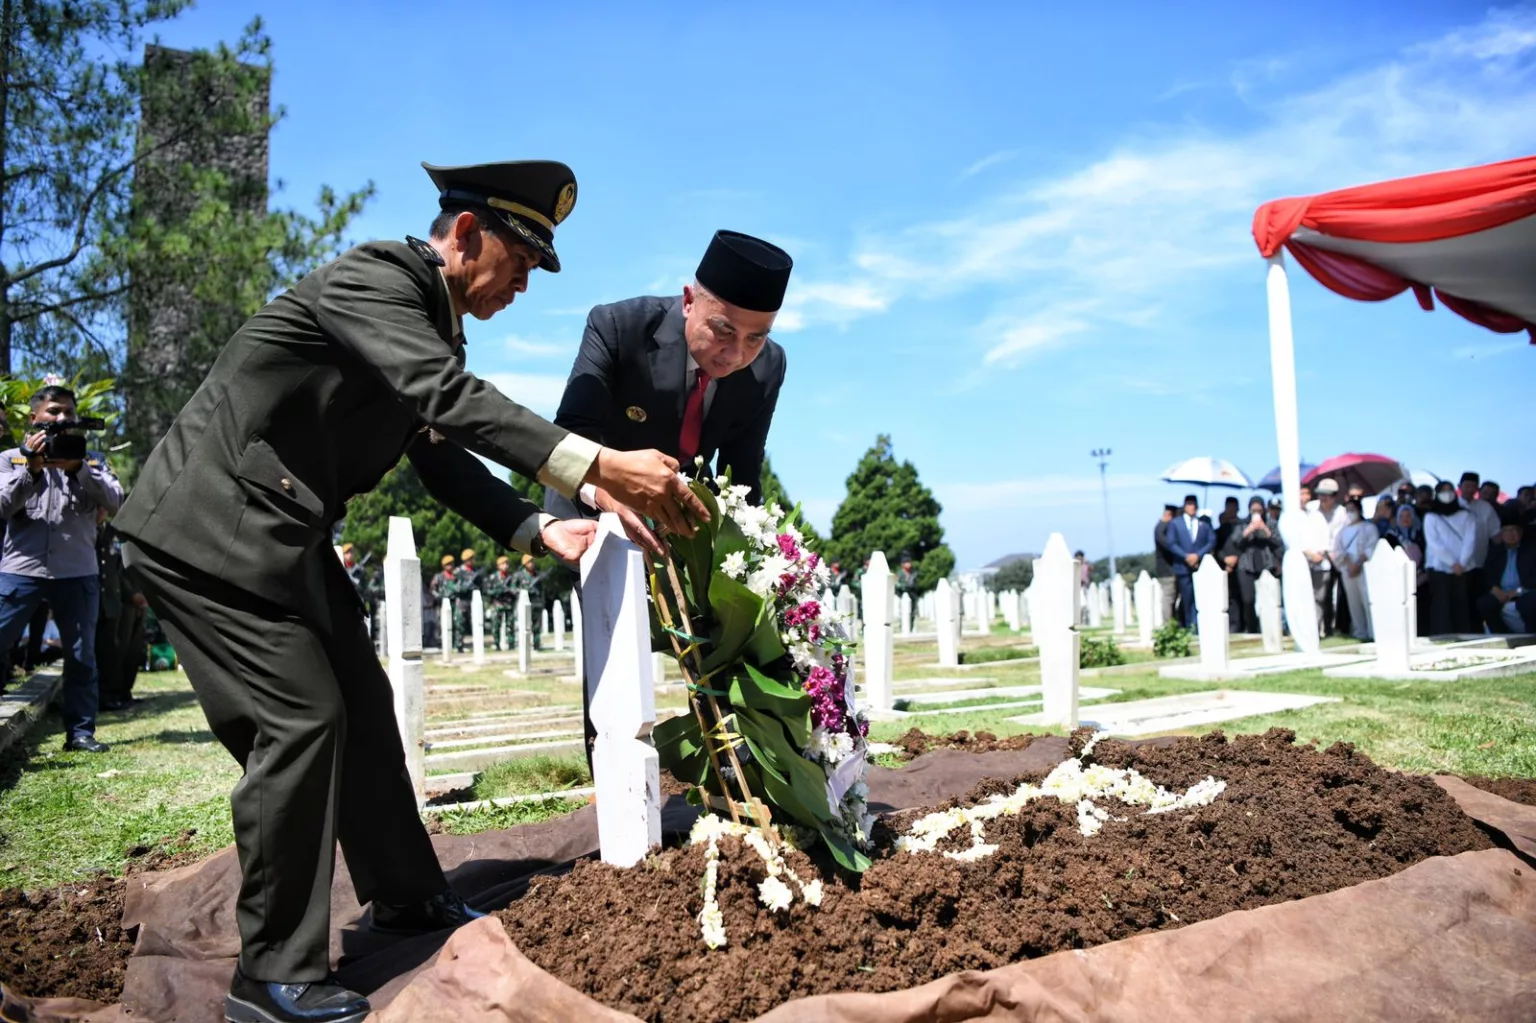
<point x="94" y="463"/>
<point x="428" y="254"/>
<point x="18" y="460"/>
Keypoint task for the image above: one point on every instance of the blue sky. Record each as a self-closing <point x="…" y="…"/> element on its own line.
<point x="1021" y="231"/>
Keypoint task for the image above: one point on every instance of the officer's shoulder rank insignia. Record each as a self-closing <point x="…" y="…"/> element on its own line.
<point x="636" y="413"/>
<point x="18" y="460"/>
<point x="565" y="201"/>
<point x="94" y="463"/>
<point x="427" y="253"/>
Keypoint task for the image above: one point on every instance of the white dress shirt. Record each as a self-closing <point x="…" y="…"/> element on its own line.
<point x="1448" y="540"/>
<point x="1486" y="517"/>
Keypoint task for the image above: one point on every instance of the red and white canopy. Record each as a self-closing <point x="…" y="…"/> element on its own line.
<point x="1468" y="236"/>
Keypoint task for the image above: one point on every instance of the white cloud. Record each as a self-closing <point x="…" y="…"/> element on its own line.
<point x="540" y="392"/>
<point x="988" y="161"/>
<point x="835" y="303"/>
<point x="537" y="348"/>
<point x="1160" y="224"/>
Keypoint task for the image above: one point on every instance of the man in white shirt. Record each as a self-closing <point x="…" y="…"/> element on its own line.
<point x="1323" y="526"/>
<point x="1485" y="514"/>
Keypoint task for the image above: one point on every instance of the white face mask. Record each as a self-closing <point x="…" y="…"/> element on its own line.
<point x="1446" y="497"/>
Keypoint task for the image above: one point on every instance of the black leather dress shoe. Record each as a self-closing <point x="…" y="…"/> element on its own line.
<point x="84" y="744"/>
<point x="442" y="912"/>
<point x="320" y="1001"/>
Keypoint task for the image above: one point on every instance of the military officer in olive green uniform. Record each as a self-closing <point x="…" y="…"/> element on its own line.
<point x="228" y="534"/>
<point x="501" y="595"/>
<point x="906" y="578"/>
<point x="445" y="586"/>
<point x="463" y="597"/>
<point x="526" y="580"/>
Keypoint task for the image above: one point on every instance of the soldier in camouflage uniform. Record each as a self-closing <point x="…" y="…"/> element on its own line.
<point x="527" y="578"/>
<point x="906" y="578"/>
<point x="501" y="595"/>
<point x="445" y="586"/>
<point x="463" y="597"/>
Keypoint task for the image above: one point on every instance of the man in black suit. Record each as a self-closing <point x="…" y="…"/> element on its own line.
<point x="1190" y="538"/>
<point x="695" y="375"/>
<point x="1510" y="603"/>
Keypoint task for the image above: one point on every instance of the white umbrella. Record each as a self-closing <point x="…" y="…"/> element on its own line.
<point x="1208" y="472"/>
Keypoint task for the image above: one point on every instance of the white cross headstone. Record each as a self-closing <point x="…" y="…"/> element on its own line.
<point x="1296" y="583"/>
<point x="1266" y="602"/>
<point x="407" y="675"/>
<point x="576" y="639"/>
<point x="1211" y="601"/>
<point x="1054" y="617"/>
<point x="1147" y="595"/>
<point x="558" y="615"/>
<point x="1119" y="600"/>
<point x="1095" y="609"/>
<point x="947" y="619"/>
<point x="445" y="627"/>
<point x="879" y="636"/>
<point x="904" y="609"/>
<point x="621" y="696"/>
<point x="477" y="625"/>
<point x="1390" y="576"/>
<point x="524" y="633"/>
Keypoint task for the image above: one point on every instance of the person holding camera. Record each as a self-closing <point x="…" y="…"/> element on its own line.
<point x="50" y="493"/>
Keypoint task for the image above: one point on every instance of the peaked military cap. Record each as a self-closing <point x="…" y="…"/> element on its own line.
<point x="530" y="196"/>
<point x="745" y="271"/>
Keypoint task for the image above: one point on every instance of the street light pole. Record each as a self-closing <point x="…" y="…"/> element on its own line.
<point x="1102" y="454"/>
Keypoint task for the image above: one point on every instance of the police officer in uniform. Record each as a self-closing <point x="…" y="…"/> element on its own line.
<point x="228" y="534"/>
<point x="694" y="375"/>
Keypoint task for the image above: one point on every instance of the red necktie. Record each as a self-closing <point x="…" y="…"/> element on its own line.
<point x="693" y="418"/>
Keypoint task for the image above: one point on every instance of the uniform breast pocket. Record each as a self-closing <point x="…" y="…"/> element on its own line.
<point x="272" y="485"/>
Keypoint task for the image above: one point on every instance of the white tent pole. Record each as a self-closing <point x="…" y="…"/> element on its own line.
<point x="1296" y="588"/>
<point x="1282" y="368"/>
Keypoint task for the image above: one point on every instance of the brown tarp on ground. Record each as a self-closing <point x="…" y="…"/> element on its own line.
<point x="1448" y="938"/>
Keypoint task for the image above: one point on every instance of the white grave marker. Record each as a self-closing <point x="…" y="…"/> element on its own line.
<point x="1211" y="601"/>
<point x="558" y="615"/>
<point x="524" y="633"/>
<point x="576" y="639"/>
<point x="1054" y="616"/>
<point x="1390" y="576"/>
<point x="477" y="625"/>
<point x="947" y="620"/>
<point x="621" y="695"/>
<point x="407" y="675"/>
<point x="1095" y="609"/>
<point x="1266" y="601"/>
<point x="1147" y="595"/>
<point x="445" y="628"/>
<point x="1118" y="601"/>
<point x="1296" y="584"/>
<point x="904" y="609"/>
<point x="879" y="636"/>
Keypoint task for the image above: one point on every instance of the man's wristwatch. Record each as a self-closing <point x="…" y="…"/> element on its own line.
<point x="538" y="548"/>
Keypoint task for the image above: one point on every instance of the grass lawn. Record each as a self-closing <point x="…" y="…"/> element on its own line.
<point x="66" y="816"/>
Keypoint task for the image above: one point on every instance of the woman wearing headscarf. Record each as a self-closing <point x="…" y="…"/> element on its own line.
<point x="1450" y="536"/>
<point x="1257" y="544"/>
<point x="1405" y="535"/>
<point x="1351" y="550"/>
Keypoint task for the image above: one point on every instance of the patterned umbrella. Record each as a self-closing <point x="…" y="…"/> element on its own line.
<point x="1373" y="472"/>
<point x="1208" y="472"/>
<point x="1271" y="482"/>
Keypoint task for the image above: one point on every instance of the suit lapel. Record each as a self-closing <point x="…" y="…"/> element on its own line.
<point x="669" y="363"/>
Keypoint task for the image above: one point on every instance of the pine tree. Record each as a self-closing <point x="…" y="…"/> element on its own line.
<point x="888" y="509"/>
<point x="773" y="493"/>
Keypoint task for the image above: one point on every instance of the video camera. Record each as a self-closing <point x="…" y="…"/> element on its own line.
<point x="65" y="438"/>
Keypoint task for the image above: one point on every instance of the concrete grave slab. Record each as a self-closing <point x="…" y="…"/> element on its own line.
<point x="1190" y="710"/>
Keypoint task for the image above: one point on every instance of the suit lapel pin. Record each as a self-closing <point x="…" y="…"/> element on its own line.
<point x="636" y="413"/>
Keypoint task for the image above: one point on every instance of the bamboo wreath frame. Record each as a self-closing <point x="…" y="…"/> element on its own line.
<point x="716" y="738"/>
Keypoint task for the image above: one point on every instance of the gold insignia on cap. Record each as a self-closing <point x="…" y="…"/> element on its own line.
<point x="636" y="413"/>
<point x="565" y="202"/>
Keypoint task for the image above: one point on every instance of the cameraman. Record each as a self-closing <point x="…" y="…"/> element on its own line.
<point x="49" y="505"/>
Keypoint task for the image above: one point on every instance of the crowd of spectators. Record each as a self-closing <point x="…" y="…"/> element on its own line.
<point x="1474" y="549"/>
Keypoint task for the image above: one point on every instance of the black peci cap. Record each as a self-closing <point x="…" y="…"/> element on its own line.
<point x="745" y="271"/>
<point x="530" y="196"/>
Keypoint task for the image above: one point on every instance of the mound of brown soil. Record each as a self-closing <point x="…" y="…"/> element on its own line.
<point x="1294" y="821"/>
<point x="914" y="742"/>
<point x="69" y="941"/>
<point x="1516" y="790"/>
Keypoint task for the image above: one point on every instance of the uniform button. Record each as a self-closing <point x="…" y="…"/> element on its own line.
<point x="287" y="483"/>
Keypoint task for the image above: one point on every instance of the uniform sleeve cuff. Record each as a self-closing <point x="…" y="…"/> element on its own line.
<point x="532" y="526"/>
<point x="588" y="495"/>
<point x="569" y="464"/>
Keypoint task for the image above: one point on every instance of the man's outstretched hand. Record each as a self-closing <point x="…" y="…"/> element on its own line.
<point x="648" y="482"/>
<point x="568" y="539"/>
<point x="635" y="526"/>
